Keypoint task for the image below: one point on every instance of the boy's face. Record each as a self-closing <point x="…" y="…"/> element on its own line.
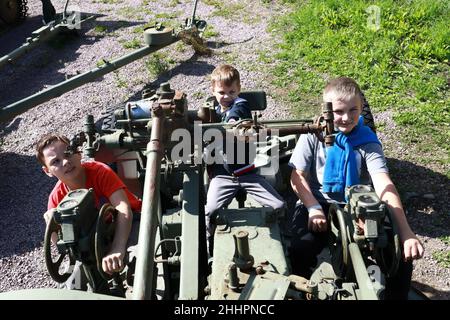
<point x="346" y="113"/>
<point x="224" y="94"/>
<point x="58" y="164"/>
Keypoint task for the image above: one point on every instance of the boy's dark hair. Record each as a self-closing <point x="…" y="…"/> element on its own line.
<point x="47" y="140"/>
<point x="225" y="74"/>
<point x="342" y="88"/>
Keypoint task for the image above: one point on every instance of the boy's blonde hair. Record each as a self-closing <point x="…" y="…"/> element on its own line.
<point x="342" y="88"/>
<point x="45" y="141"/>
<point x="225" y="74"/>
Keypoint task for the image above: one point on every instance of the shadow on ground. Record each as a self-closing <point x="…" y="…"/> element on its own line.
<point x="39" y="68"/>
<point x="430" y="292"/>
<point x="425" y="195"/>
<point x="21" y="223"/>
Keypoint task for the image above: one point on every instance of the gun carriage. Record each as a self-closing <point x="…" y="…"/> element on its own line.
<point x="249" y="260"/>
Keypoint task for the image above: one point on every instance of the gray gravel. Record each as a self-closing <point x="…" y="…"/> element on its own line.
<point x="24" y="188"/>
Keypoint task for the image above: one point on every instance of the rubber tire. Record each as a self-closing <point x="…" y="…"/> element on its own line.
<point x="107" y="123"/>
<point x="367" y="115"/>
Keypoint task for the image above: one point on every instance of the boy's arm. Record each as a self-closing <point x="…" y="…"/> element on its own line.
<point x="385" y="189"/>
<point x="113" y="262"/>
<point x="317" y="221"/>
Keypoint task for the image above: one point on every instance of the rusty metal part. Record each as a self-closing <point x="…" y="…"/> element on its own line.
<point x="150" y="208"/>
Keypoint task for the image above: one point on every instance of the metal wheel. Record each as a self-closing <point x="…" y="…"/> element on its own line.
<point x="12" y="11"/>
<point x="338" y="240"/>
<point x="104" y="235"/>
<point x="52" y="265"/>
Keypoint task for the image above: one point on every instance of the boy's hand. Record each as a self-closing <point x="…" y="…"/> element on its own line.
<point x="113" y="262"/>
<point x="412" y="249"/>
<point x="317" y="221"/>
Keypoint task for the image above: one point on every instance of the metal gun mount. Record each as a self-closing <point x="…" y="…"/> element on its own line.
<point x="140" y="145"/>
<point x="172" y="233"/>
<point x="249" y="260"/>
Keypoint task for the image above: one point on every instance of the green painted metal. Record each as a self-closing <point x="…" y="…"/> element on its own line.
<point x="25" y="104"/>
<point x="37" y="37"/>
<point x="366" y="288"/>
<point x="190" y="228"/>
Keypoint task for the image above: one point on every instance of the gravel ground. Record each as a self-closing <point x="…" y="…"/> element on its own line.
<point x="24" y="188"/>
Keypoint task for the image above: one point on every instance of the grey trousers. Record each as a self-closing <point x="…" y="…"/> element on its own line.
<point x="222" y="190"/>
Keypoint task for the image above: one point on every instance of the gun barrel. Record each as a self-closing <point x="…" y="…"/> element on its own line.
<point x="194" y="10"/>
<point x="41" y="35"/>
<point x="143" y="280"/>
<point x="25" y="104"/>
<point x="38" y="36"/>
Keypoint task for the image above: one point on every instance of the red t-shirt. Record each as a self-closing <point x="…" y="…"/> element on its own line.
<point x="103" y="180"/>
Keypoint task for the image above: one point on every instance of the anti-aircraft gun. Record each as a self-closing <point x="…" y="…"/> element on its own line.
<point x="146" y="151"/>
<point x="143" y="145"/>
<point x="249" y="260"/>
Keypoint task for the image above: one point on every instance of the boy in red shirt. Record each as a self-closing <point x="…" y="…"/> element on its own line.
<point x="72" y="174"/>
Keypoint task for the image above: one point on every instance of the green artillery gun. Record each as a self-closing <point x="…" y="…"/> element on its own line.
<point x="53" y="25"/>
<point x="156" y="146"/>
<point x="249" y="260"/>
<point x="156" y="38"/>
<point x="168" y="173"/>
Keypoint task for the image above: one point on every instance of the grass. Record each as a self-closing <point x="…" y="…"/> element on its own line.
<point x="120" y="82"/>
<point x="445" y="239"/>
<point x="442" y="257"/>
<point x="158" y="63"/>
<point x="132" y="44"/>
<point x="401" y="63"/>
<point x="210" y="32"/>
